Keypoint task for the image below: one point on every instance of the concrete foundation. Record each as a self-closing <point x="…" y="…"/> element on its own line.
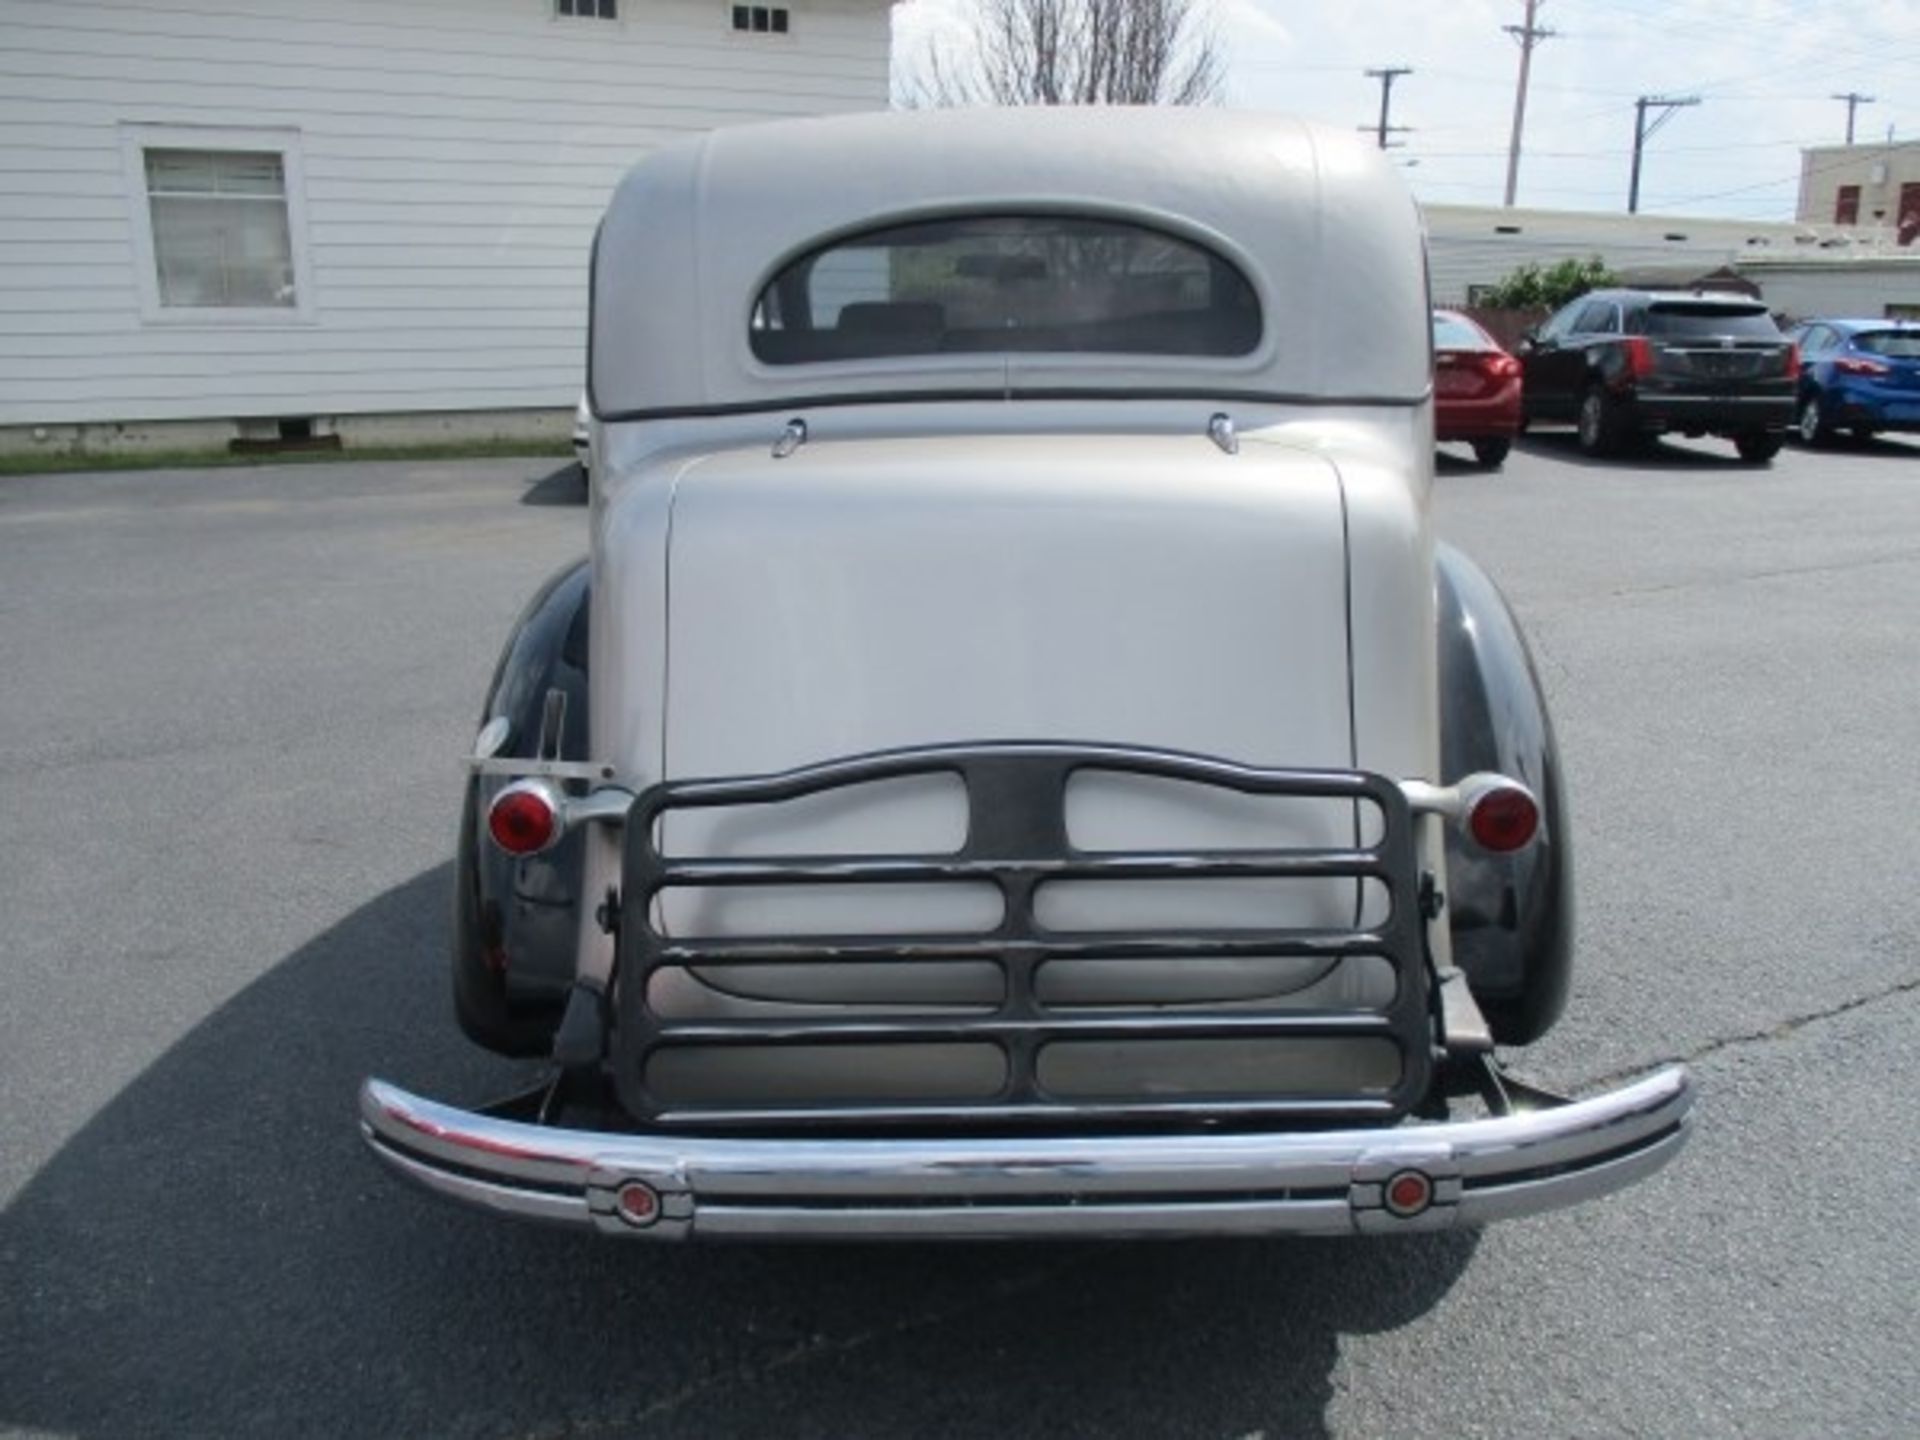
<point x="385" y="432"/>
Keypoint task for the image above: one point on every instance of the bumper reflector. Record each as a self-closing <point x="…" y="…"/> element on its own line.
<point x="1408" y="1193"/>
<point x="636" y="1203"/>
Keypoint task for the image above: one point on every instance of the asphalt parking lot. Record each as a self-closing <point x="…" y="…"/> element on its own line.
<point x="232" y="706"/>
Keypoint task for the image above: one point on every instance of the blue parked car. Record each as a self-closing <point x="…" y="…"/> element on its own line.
<point x="1857" y="375"/>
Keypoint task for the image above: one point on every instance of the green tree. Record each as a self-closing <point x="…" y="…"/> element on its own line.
<point x="1532" y="288"/>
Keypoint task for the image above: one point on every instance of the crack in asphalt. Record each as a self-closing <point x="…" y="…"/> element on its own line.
<point x="1782" y="1030"/>
<point x="1784" y="572"/>
<point x="814" y="1347"/>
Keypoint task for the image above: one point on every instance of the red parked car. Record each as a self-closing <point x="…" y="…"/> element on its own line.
<point x="1476" y="388"/>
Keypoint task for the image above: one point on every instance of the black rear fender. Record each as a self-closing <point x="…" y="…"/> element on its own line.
<point x="1511" y="916"/>
<point x="516" y="922"/>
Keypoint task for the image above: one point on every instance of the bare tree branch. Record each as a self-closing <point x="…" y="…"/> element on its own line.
<point x="1073" y="52"/>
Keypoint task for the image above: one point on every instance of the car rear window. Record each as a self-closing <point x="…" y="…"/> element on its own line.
<point x="1450" y="332"/>
<point x="1900" y="344"/>
<point x="1680" y="321"/>
<point x="1005" y="282"/>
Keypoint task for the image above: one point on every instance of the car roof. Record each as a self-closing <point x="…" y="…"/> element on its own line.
<point x="1671" y="297"/>
<point x="1323" y="228"/>
<point x="1852" y="327"/>
<point x="1442" y="312"/>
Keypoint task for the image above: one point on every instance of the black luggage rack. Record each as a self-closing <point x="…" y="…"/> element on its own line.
<point x="1017" y="839"/>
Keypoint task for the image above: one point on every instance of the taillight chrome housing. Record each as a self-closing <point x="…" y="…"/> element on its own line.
<point x="1499" y="814"/>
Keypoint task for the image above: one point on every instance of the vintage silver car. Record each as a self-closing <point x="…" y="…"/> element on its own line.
<point x="1015" y="761"/>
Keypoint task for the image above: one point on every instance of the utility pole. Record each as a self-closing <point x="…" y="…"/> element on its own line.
<point x="1642" y="130"/>
<point x="1386" y="77"/>
<point x="1853" y="100"/>
<point x="1529" y="35"/>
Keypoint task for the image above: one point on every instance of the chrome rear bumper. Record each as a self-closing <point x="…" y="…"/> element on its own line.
<point x="1304" y="1182"/>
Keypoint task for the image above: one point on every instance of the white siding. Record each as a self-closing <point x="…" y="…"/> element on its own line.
<point x="456" y="157"/>
<point x="1865" y="289"/>
<point x="1466" y="244"/>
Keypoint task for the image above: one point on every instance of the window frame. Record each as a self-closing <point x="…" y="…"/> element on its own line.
<point x="1607" y="318"/>
<point x="1872" y="332"/>
<point x="797" y="264"/>
<point x="555" y="14"/>
<point x="135" y="141"/>
<point x="747" y="33"/>
<point x="1559" y="325"/>
<point x="1469" y="325"/>
<point x="1705" y="309"/>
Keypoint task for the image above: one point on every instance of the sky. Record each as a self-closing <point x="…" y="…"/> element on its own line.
<point x="1764" y="71"/>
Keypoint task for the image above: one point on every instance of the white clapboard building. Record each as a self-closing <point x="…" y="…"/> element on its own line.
<point x="264" y="217"/>
<point x="1800" y="268"/>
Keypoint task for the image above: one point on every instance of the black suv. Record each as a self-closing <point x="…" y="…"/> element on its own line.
<point x="1626" y="364"/>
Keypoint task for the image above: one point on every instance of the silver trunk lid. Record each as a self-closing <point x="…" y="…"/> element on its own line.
<point x="867" y="595"/>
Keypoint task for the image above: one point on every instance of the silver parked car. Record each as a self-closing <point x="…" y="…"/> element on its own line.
<point x="1016" y="761"/>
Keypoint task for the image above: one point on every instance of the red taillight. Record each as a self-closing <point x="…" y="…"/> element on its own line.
<point x="1848" y="365"/>
<point x="1498" y="365"/>
<point x="1793" y="362"/>
<point x="1639" y="356"/>
<point x="523" y="819"/>
<point x="1503" y="818"/>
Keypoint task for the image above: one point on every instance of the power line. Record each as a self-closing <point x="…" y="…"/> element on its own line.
<point x="1642" y="130"/>
<point x="1386" y="76"/>
<point x="1845" y="162"/>
<point x="1753" y="32"/>
<point x="1451" y="141"/>
<point x="1666" y="204"/>
<point x="1529" y="35"/>
<point x="1609" y="154"/>
<point x="1829" y="55"/>
<point x="1853" y="100"/>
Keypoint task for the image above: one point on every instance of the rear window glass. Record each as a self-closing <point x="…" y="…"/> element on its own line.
<point x="996" y="283"/>
<point x="1901" y="344"/>
<point x="1450" y="332"/>
<point x="1696" y="322"/>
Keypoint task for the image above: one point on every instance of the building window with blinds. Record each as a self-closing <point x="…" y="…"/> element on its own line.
<point x="760" y="19"/>
<point x="221" y="238"/>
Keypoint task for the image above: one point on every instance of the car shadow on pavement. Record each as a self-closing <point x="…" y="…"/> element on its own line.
<point x="1907" y="445"/>
<point x="1657" y="453"/>
<point x="565" y="486"/>
<point x="1452" y="462"/>
<point x="213" y="1254"/>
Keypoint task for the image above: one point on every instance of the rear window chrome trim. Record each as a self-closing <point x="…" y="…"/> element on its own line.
<point x="1000" y="394"/>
